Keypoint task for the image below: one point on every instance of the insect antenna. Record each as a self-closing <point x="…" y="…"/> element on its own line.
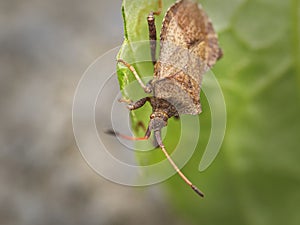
<point x="186" y="180"/>
<point x="132" y="138"/>
<point x="161" y="145"/>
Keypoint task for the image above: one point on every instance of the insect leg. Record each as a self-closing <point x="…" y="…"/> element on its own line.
<point x="139" y="125"/>
<point x="158" y="12"/>
<point x="220" y="54"/>
<point x="133" y="106"/>
<point x="138" y="103"/>
<point x="152" y="31"/>
<point x="125" y="100"/>
<point x="147" y="88"/>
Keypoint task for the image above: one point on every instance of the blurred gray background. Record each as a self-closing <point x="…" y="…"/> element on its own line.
<point x="45" y="46"/>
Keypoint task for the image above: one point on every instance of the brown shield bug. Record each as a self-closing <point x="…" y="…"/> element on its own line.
<point x="188" y="48"/>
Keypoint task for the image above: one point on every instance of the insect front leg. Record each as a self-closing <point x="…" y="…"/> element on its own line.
<point x="125" y="100"/>
<point x="147" y="88"/>
<point x="152" y="31"/>
<point x="138" y="104"/>
<point x="133" y="106"/>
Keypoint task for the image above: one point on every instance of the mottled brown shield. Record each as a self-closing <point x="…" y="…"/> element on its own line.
<point x="188" y="48"/>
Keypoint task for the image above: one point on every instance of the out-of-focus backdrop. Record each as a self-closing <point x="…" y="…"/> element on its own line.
<point x="45" y="46"/>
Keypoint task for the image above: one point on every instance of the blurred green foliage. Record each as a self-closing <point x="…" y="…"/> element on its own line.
<point x="255" y="179"/>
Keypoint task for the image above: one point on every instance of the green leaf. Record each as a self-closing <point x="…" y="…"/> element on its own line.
<point x="256" y="176"/>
